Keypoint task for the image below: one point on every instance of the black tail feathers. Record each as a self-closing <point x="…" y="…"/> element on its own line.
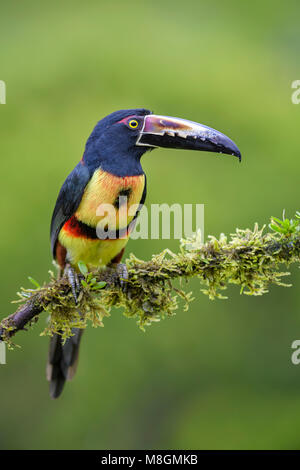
<point x="62" y="362"/>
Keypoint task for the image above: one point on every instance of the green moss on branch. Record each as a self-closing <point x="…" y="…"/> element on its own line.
<point x="248" y="258"/>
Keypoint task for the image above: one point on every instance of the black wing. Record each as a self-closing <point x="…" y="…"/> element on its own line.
<point x="68" y="200"/>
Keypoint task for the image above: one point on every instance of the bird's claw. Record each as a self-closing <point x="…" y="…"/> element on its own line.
<point x="123" y="275"/>
<point x="73" y="279"/>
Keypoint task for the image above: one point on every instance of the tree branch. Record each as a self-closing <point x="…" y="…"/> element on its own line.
<point x="249" y="258"/>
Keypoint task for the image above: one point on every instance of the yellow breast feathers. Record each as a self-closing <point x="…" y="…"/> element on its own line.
<point x="106" y="191"/>
<point x="101" y="195"/>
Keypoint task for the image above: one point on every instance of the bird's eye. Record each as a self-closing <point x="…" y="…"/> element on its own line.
<point x="133" y="123"/>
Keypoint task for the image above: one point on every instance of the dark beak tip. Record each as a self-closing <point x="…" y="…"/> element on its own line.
<point x="239" y="156"/>
<point x="236" y="152"/>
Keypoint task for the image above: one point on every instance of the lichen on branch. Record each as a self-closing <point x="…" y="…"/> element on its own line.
<point x="248" y="258"/>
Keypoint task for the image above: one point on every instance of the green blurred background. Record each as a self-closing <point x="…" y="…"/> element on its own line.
<point x="220" y="375"/>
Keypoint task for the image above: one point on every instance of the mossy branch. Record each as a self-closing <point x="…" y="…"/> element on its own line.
<point x="249" y="259"/>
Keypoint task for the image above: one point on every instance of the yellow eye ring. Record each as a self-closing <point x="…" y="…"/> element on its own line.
<point x="133" y="123"/>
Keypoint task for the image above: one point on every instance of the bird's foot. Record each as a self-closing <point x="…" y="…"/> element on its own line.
<point x="73" y="279"/>
<point x="123" y="275"/>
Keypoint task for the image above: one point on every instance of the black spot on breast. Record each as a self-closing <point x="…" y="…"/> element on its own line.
<point x="122" y="198"/>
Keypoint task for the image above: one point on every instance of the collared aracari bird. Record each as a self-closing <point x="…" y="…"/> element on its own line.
<point x="110" y="168"/>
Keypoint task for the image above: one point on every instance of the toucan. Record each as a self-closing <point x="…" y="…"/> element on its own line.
<point x="110" y="170"/>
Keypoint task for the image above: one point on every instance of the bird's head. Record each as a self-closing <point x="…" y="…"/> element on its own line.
<point x="120" y="139"/>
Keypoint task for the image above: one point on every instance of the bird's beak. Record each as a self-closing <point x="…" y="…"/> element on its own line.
<point x="170" y="132"/>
